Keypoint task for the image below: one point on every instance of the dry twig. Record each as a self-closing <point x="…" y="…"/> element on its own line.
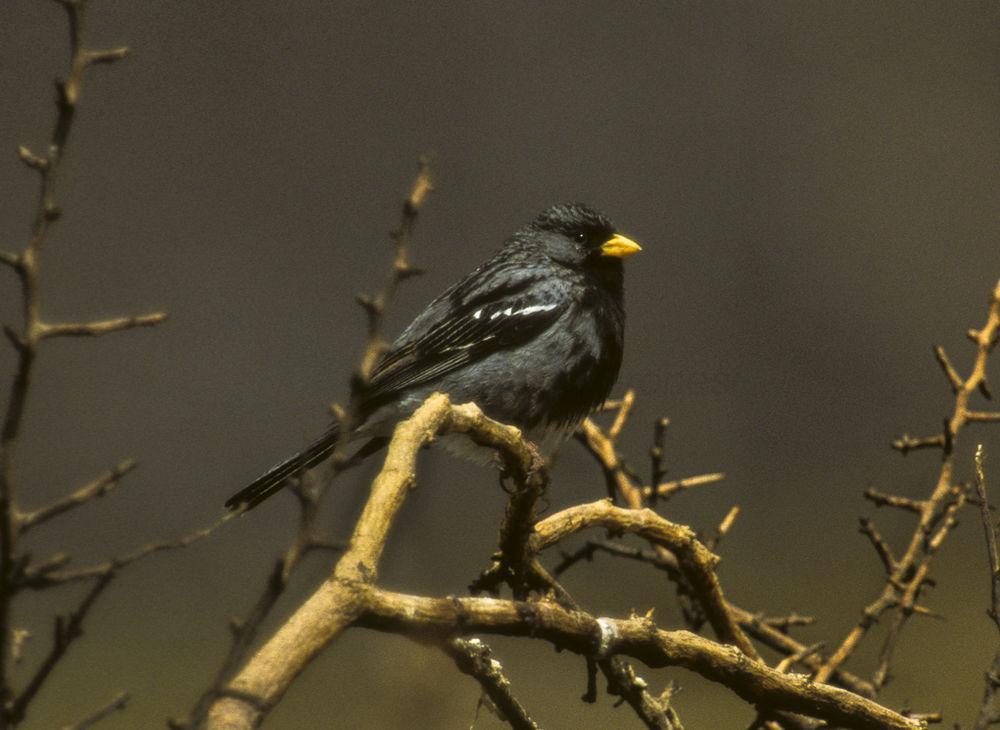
<point x="474" y="658"/>
<point x="636" y="637"/>
<point x="309" y="494"/>
<point x="989" y="709"/>
<point x="937" y="513"/>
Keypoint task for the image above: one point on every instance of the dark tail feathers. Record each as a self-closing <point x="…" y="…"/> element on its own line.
<point x="275" y="478"/>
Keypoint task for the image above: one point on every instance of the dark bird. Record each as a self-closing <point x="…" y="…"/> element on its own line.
<point x="533" y="336"/>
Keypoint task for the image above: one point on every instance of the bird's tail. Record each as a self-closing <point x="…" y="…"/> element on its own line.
<point x="275" y="478"/>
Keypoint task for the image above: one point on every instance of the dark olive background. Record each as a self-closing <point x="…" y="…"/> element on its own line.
<point x="815" y="186"/>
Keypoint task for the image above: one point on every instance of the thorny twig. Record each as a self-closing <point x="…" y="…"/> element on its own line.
<point x="989" y="711"/>
<point x="17" y="570"/>
<point x="475" y="658"/>
<point x="937" y="513"/>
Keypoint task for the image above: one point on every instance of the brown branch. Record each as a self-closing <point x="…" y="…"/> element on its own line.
<point x="615" y="549"/>
<point x="724" y="527"/>
<point x="335" y="604"/>
<point x="637" y="637"/>
<point x="87" y="493"/>
<point x="902" y="586"/>
<point x="244" y="631"/>
<point x="117" y="703"/>
<point x="601" y="449"/>
<point x="878" y="542"/>
<point x="46" y="575"/>
<point x="26" y="266"/>
<point x="374" y="306"/>
<point x="881" y="499"/>
<point x="696" y="562"/>
<point x="100" y="327"/>
<point x="513" y="562"/>
<point x="655" y="713"/>
<point x="906" y="443"/>
<point x="989" y="711"/>
<point x="772" y="632"/>
<point x="954" y="379"/>
<point x="66" y="630"/>
<point x="668" y="489"/>
<point x="656" y="453"/>
<point x="474" y="658"/>
<point x="338" y="602"/>
<point x="990" y="531"/>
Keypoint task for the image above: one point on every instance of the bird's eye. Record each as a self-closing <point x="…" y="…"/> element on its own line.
<point x="580" y="237"/>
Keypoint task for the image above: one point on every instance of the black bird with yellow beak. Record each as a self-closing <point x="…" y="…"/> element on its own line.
<point x="533" y="336"/>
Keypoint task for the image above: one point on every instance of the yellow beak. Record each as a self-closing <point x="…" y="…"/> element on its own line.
<point x="619" y="247"/>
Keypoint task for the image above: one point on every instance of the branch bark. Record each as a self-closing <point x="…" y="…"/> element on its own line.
<point x="636" y="637"/>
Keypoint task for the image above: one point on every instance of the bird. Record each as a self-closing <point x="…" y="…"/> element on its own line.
<point x="534" y="336"/>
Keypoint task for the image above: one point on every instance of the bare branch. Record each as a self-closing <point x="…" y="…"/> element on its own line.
<point x="117" y="703"/>
<point x="39" y="579"/>
<point x="109" y="55"/>
<point x="636" y="637"/>
<point x="616" y="549"/>
<point x="990" y="531"/>
<point x="334" y="606"/>
<point x="65" y="632"/>
<point x="954" y="379"/>
<point x="989" y="711"/>
<point x="101" y="327"/>
<point x="657" y="468"/>
<point x="906" y="443"/>
<point x="789" y="661"/>
<point x="937" y="517"/>
<point x="474" y="658"/>
<point x="724" y="527"/>
<point x="624" y="409"/>
<point x="881" y="499"/>
<point x="25" y="264"/>
<point x="878" y="542"/>
<point x="374" y="306"/>
<point x="668" y="489"/>
<point x="244" y="631"/>
<point x="696" y="562"/>
<point x="87" y="493"/>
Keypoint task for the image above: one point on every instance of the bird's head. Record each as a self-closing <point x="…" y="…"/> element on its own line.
<point x="576" y="235"/>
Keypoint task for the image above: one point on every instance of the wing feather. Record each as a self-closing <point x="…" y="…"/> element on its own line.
<point x="469" y="332"/>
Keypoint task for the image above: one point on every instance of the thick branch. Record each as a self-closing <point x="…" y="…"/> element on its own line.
<point x="696" y="561"/>
<point x="336" y="603"/>
<point x="581" y="633"/>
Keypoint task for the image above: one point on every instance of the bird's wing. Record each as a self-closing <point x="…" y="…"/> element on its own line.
<point x="468" y="331"/>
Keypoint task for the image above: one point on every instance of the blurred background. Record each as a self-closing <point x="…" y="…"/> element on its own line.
<point x="815" y="186"/>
